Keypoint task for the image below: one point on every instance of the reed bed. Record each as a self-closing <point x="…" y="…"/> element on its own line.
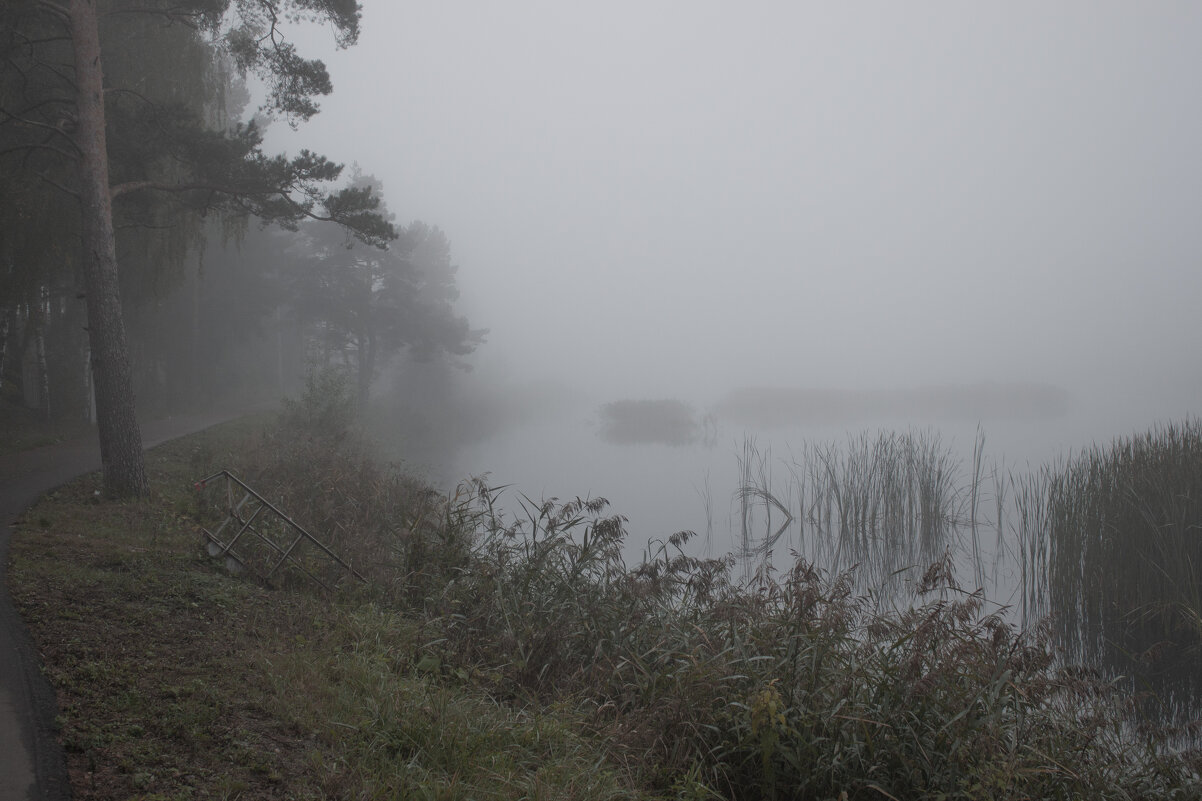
<point x="1113" y="551"/>
<point x="1108" y="544"/>
<point x="888" y="504"/>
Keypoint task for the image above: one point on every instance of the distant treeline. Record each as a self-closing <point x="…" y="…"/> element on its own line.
<point x="775" y="407"/>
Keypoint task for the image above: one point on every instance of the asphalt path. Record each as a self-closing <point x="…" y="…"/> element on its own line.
<point x="32" y="766"/>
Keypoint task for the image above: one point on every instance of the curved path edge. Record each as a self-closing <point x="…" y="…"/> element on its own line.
<point x="32" y="763"/>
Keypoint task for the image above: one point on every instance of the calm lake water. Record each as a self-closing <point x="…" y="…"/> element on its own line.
<point x="662" y="488"/>
<point x="669" y="465"/>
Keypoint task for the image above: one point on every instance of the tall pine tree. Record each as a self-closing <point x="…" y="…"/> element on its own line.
<point x="63" y="124"/>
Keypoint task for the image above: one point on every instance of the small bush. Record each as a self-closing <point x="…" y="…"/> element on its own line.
<point x="326" y="409"/>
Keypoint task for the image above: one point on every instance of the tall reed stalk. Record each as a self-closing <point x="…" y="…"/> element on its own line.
<point x="883" y="503"/>
<point x="1122" y="549"/>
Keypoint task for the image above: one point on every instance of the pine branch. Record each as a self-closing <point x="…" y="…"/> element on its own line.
<point x="158" y="186"/>
<point x="278" y="205"/>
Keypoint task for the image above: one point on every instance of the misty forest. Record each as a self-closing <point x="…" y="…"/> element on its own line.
<point x="552" y="525"/>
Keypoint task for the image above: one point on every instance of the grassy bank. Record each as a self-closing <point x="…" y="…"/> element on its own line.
<point x="178" y="681"/>
<point x="496" y="657"/>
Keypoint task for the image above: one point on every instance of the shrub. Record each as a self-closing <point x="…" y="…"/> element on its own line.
<point x="326" y="408"/>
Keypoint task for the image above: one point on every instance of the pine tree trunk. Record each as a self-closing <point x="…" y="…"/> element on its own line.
<point x="120" y="436"/>
<point x="43" y="370"/>
<point x="194" y="351"/>
<point x="89" y="388"/>
<point x="5" y="317"/>
<point x="279" y="350"/>
<point x="30" y="378"/>
<point x="43" y="374"/>
<point x="366" y="365"/>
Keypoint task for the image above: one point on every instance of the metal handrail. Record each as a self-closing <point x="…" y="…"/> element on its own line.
<point x="235" y="514"/>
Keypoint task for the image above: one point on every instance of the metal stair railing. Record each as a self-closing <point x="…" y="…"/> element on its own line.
<point x="244" y="515"/>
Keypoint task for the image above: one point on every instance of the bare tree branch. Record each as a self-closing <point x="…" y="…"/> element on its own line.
<point x="33" y="146"/>
<point x="174" y="14"/>
<point x="55" y="10"/>
<point x="64" y="189"/>
<point x="53" y="130"/>
<point x="238" y="197"/>
<point x="26" y="41"/>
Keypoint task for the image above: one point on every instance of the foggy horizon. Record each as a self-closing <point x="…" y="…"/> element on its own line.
<point x="677" y="201"/>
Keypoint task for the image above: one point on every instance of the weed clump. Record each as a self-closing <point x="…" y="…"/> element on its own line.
<point x="790" y="687"/>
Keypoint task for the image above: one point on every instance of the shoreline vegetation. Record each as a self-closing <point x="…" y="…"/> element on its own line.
<point x="498" y="656"/>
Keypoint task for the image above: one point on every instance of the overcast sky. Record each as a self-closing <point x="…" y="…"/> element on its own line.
<point x="673" y="199"/>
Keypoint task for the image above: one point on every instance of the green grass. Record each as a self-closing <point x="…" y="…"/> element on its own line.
<point x="497" y="656"/>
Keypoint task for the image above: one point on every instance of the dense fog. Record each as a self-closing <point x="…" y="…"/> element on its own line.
<point x="643" y="234"/>
<point x="931" y="215"/>
<point x="893" y="298"/>
<point x="671" y="200"/>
